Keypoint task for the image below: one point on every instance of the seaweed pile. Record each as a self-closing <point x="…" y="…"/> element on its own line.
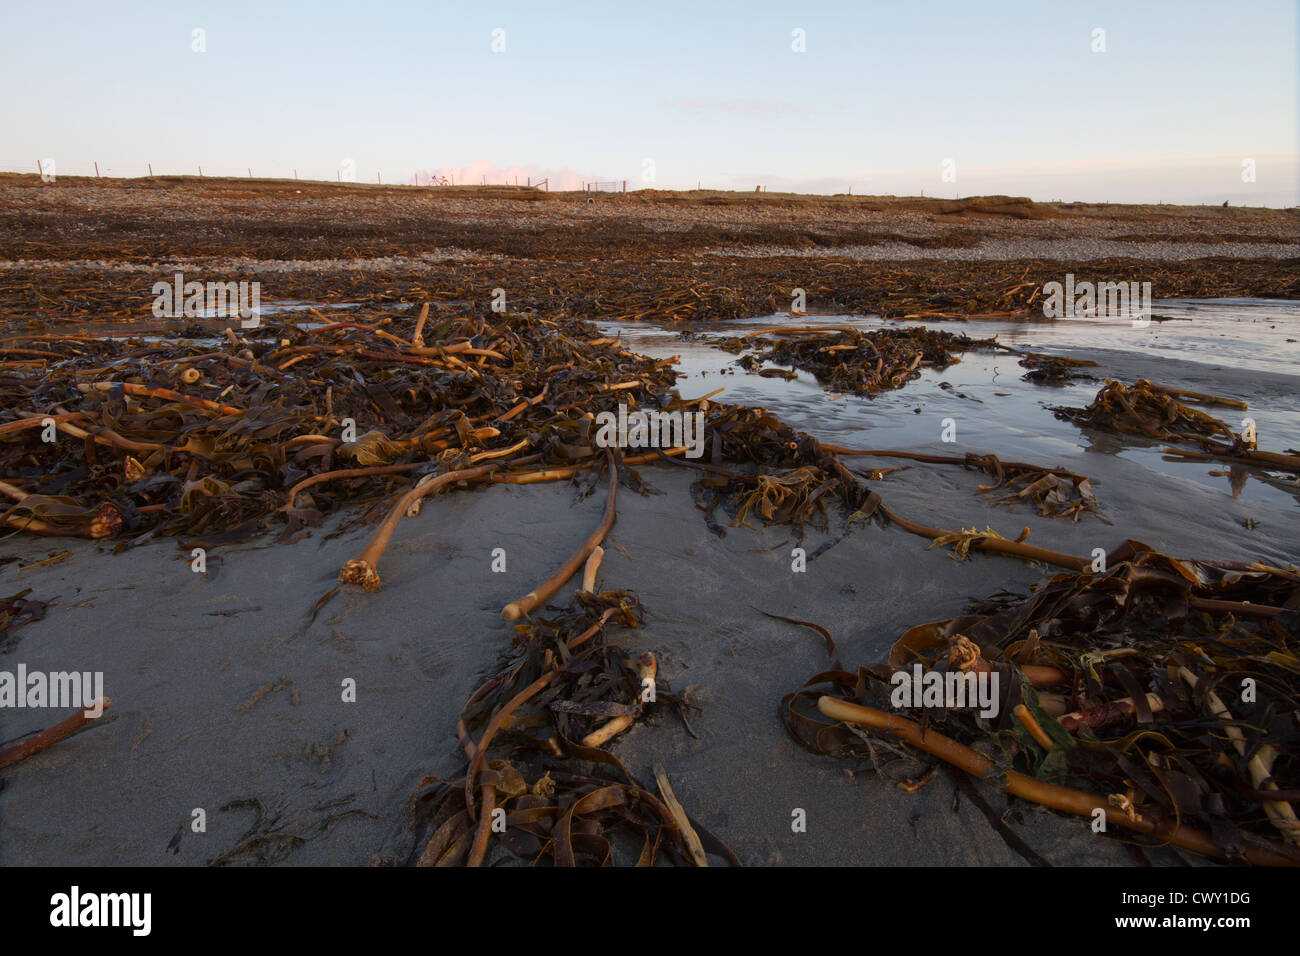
<point x="642" y="284"/>
<point x="852" y="360"/>
<point x="1154" y="411"/>
<point x="1054" y="369"/>
<point x="220" y="440"/>
<point x="1145" y="408"/>
<point x="1170" y="686"/>
<point x="539" y="787"/>
<point x="792" y="473"/>
<point x="1130" y="680"/>
<point x="1055" y="492"/>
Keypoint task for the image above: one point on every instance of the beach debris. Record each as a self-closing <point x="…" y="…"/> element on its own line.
<point x="517" y="608"/>
<point x="863" y="362"/>
<point x="52" y="735"/>
<point x="1147" y="409"/>
<point x="1056" y="797"/>
<point x="286" y="423"/>
<point x="563" y="276"/>
<point x="1054" y="369"/>
<point x="1154" y="411"/>
<point x="1161" y="693"/>
<point x="1056" y="492"/>
<point x="363" y="569"/>
<point x="792" y="474"/>
<point x="562" y="684"/>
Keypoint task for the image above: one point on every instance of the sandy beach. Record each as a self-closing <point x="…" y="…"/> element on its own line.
<point x="227" y="692"/>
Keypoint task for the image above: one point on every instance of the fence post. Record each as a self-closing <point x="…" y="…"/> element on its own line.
<point x="96" y="170"/>
<point x="151" y="170"/>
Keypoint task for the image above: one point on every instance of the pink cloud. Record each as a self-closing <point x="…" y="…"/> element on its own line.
<point x="486" y="171"/>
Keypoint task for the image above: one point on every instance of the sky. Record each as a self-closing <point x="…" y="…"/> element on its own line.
<point x="1174" y="101"/>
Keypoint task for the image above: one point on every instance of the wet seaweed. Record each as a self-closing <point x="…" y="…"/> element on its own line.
<point x="1168" y="687"/>
<point x="853" y="360"/>
<point x="1155" y="412"/>
<point x="275" y="429"/>
<point x="538" y="786"/>
<point x="1055" y="369"/>
<point x="1147" y="409"/>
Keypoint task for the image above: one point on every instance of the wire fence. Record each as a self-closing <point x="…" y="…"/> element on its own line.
<point x="50" y="169"/>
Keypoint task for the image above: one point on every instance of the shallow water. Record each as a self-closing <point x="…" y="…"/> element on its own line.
<point x="1205" y="345"/>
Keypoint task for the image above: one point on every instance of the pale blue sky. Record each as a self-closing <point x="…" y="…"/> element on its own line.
<point x="712" y="93"/>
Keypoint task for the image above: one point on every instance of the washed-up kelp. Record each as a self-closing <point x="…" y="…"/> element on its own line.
<point x="1055" y="492"/>
<point x="221" y="439"/>
<point x="1054" y="369"/>
<point x="532" y="737"/>
<point x="637" y="281"/>
<point x="1163" y="692"/>
<point x="1145" y="408"/>
<point x="793" y="477"/>
<point x="52" y="735"/>
<point x="852" y="360"/>
<point x="1155" y="411"/>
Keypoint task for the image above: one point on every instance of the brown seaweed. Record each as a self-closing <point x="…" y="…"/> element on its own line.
<point x="1128" y="682"/>
<point x="525" y="731"/>
<point x="853" y="360"/>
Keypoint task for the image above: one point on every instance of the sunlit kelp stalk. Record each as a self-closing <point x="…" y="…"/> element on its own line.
<point x="52" y="735"/>
<point x="363" y="569"/>
<point x="521" y="606"/>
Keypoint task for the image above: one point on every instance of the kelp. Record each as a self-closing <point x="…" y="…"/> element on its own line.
<point x="1168" y="687"/>
<point x="1145" y="408"/>
<point x="1054" y="369"/>
<point x="531" y="737"/>
<point x="52" y="735"/>
<point x="280" y="425"/>
<point x="789" y="475"/>
<point x="638" y="282"/>
<point x="854" y="360"/>
<point x="1154" y="411"/>
<point x="1056" y="492"/>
